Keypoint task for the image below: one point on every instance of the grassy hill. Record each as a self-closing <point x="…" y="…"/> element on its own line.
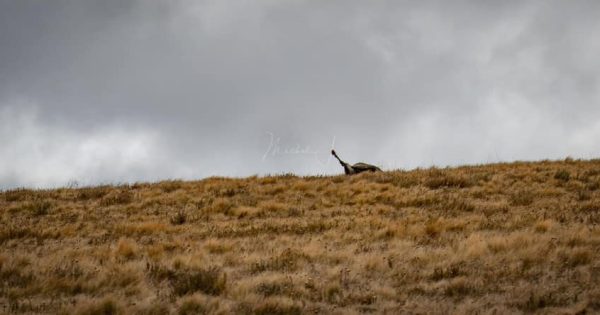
<point x="519" y="237"/>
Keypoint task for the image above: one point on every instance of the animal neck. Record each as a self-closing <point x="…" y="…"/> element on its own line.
<point x="347" y="167"/>
<point x="338" y="158"/>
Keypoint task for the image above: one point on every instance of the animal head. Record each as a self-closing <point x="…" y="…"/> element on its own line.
<point x="333" y="152"/>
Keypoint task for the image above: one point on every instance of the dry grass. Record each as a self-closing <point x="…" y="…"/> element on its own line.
<point x="504" y="238"/>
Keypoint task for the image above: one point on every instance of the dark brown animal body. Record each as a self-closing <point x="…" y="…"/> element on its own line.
<point x="356" y="168"/>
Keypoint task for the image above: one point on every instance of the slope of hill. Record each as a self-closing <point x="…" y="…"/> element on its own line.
<point x="519" y="237"/>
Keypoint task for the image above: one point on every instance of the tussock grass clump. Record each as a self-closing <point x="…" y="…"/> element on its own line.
<point x="562" y="175"/>
<point x="222" y="205"/>
<point x="170" y="185"/>
<point x="107" y="306"/>
<point x="38" y="207"/>
<point x="154" y="309"/>
<point x="522" y="198"/>
<point x="192" y="307"/>
<point x="288" y="260"/>
<point x="187" y="280"/>
<point x="271" y="306"/>
<point x="15" y="277"/>
<point x="275" y="288"/>
<point x="439" y="179"/>
<point x="544" y="226"/>
<point x="447" y="272"/>
<point x="41" y="207"/>
<point x="126" y="249"/>
<point x="117" y="198"/>
<point x="91" y="193"/>
<point x="590" y="207"/>
<point x="19" y="194"/>
<point x="180" y="217"/>
<point x="140" y="229"/>
<point x="459" y="286"/>
<point x="576" y="257"/>
<point x="210" y="281"/>
<point x="508" y="238"/>
<point x="12" y="232"/>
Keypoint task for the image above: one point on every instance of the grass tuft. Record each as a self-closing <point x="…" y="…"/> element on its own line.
<point x="117" y="198"/>
<point x="41" y="207"/>
<point x="178" y="218"/>
<point x="192" y="307"/>
<point x="562" y="175"/>
<point x="185" y="280"/>
<point x="106" y="306"/>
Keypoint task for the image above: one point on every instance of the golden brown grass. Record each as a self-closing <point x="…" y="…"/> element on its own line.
<point x="504" y="238"/>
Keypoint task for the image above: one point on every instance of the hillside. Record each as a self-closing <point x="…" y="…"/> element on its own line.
<point x="518" y="237"/>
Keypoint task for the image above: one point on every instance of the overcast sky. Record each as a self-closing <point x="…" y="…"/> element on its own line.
<point x="114" y="91"/>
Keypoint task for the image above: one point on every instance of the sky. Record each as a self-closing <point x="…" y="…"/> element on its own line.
<point x="120" y="91"/>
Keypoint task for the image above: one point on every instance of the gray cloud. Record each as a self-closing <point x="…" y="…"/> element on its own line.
<point x="109" y="91"/>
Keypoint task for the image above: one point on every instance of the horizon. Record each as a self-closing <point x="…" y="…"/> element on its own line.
<point x="82" y="185"/>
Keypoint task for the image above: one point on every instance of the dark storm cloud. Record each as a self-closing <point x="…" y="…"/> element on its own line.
<point x="108" y="91"/>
